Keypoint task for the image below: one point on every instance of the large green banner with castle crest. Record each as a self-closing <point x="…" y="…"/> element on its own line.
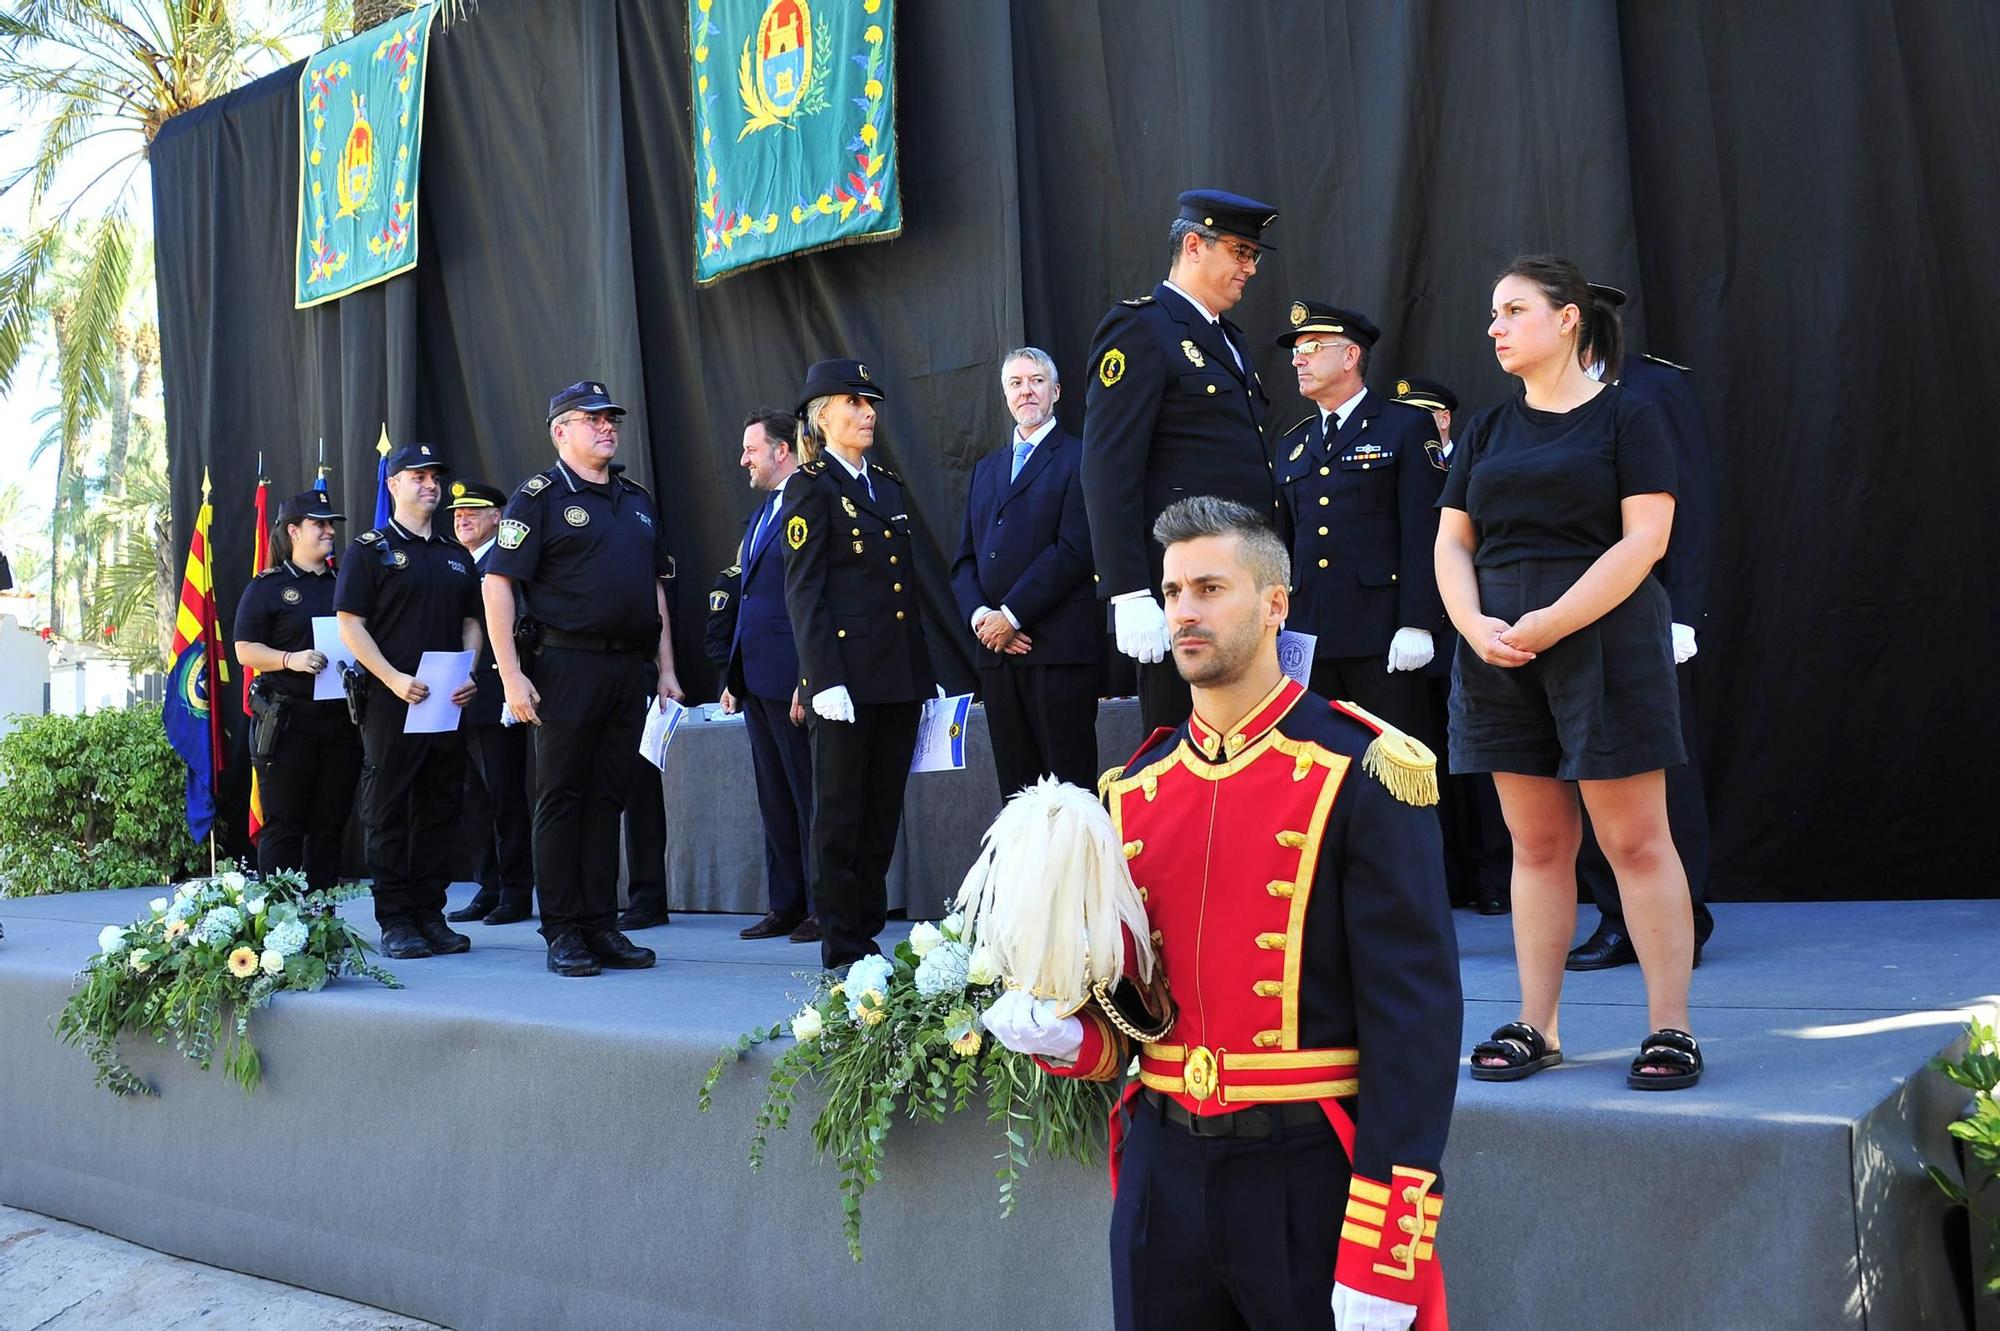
<point x="361" y="120"/>
<point x="794" y="128"/>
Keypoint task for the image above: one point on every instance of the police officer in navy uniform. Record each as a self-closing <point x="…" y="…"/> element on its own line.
<point x="864" y="668"/>
<point x="760" y="668"/>
<point x="1358" y="478"/>
<point x="306" y="782"/>
<point x="1174" y="408"/>
<point x="406" y="589"/>
<point x="496" y="767"/>
<point x="585" y="549"/>
<point x="1683" y="572"/>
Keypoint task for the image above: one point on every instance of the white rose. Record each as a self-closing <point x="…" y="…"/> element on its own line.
<point x="111" y="940"/>
<point x="272" y="963"/>
<point x="982" y="969"/>
<point x="158" y="905"/>
<point x="139" y="963"/>
<point x="953" y="926"/>
<point x="807" y="1026"/>
<point x="923" y="938"/>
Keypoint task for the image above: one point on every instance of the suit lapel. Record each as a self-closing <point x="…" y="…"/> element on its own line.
<point x="1033" y="467"/>
<point x="1357" y="424"/>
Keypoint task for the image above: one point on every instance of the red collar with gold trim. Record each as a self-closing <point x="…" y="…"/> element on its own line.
<point x="1213" y="744"/>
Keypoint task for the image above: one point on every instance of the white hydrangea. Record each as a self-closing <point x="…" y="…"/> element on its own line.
<point x="871" y="972"/>
<point x="183" y="908"/>
<point x="287" y="938"/>
<point x="923" y="938"/>
<point x="219" y="925"/>
<point x="943" y="971"/>
<point x="111" y="940"/>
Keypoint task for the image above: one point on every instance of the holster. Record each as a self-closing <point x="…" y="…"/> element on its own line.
<point x="354" y="680"/>
<point x="527" y="637"/>
<point x="269" y="710"/>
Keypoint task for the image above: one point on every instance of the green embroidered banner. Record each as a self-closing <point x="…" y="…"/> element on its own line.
<point x="361" y="120"/>
<point x="794" y="128"/>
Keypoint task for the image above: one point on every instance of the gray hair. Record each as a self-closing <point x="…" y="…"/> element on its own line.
<point x="1182" y="228"/>
<point x="1197" y="516"/>
<point x="812" y="440"/>
<point x="1035" y="354"/>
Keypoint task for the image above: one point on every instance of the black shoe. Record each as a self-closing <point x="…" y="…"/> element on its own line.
<point x="443" y="941"/>
<point x="476" y="909"/>
<point x="1605" y="948"/>
<point x="808" y="930"/>
<point x="617" y="951"/>
<point x="403" y="941"/>
<point x="643" y="917"/>
<point x="773" y="925"/>
<point x="568" y="956"/>
<point x="1492" y="903"/>
<point x="506" y="913"/>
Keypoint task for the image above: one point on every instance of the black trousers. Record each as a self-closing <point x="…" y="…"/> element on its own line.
<point x="1401" y="699"/>
<point x="592" y="709"/>
<point x="307" y="789"/>
<point x="1041" y="720"/>
<point x="411" y="789"/>
<point x="1164" y="699"/>
<point x="496" y="817"/>
<point x="781" y="754"/>
<point x="645" y="834"/>
<point x="1221" y="1234"/>
<point x="1687" y="818"/>
<point x="1478" y="854"/>
<point x="859" y="770"/>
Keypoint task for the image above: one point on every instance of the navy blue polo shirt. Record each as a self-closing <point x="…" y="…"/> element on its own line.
<point x="414" y="592"/>
<point x="587" y="555"/>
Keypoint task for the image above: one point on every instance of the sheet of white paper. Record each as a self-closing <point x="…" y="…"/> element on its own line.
<point x="662" y="720"/>
<point x="941" y="735"/>
<point x="437" y="713"/>
<point x="1295" y="655"/>
<point x="326" y="641"/>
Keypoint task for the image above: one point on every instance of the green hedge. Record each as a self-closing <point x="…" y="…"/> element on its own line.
<point x="91" y="802"/>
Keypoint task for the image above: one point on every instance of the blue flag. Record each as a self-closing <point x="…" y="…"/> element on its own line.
<point x="186" y="719"/>
<point x="383" y="505"/>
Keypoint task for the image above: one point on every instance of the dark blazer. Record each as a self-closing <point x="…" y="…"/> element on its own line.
<point x="851" y="586"/>
<point x="763" y="657"/>
<point x="484" y="709"/>
<point x="1168" y="415"/>
<point x="1684" y="570"/>
<point x="1025" y="544"/>
<point x="1361" y="507"/>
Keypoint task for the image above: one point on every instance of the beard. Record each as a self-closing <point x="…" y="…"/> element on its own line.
<point x="1229" y="654"/>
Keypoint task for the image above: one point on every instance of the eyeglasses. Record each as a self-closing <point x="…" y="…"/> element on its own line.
<point x="1309" y="346"/>
<point x="1247" y="255"/>
<point x="609" y="418"/>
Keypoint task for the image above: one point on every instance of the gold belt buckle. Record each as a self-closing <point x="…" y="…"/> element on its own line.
<point x="1200" y="1073"/>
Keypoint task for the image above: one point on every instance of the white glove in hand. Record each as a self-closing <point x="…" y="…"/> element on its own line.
<point x="1142" y="629"/>
<point x="1029" y="1025"/>
<point x="1410" y="649"/>
<point x="1684" y="648"/>
<point x="1355" y="1311"/>
<point x="834" y="704"/>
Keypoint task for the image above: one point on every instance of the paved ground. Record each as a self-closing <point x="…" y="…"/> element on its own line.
<point x="55" y="1276"/>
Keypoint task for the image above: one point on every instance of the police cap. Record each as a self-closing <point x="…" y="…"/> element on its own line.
<point x="1312" y="316"/>
<point x="309" y="504"/>
<point x="1611" y="296"/>
<point x="1231" y="214"/>
<point x="834" y="378"/>
<point x="412" y="456"/>
<point x="587" y="395"/>
<point x="476" y="494"/>
<point x="1426" y="393"/>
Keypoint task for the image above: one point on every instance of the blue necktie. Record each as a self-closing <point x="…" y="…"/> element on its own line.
<point x="763" y="530"/>
<point x="1022" y="448"/>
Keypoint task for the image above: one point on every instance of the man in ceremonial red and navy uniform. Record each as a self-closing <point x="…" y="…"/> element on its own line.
<point x="1281" y="1146"/>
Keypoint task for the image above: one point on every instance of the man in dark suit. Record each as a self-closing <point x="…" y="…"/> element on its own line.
<point x="761" y="673"/>
<point x="495" y="817"/>
<point x="1358" y="478"/>
<point x="1175" y="408"/>
<point x="1022" y="581"/>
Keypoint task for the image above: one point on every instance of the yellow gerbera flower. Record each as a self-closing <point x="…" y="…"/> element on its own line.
<point x="243" y="962"/>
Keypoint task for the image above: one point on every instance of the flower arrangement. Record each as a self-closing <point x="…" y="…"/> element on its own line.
<point x="1977" y="1071"/>
<point x="901" y="1033"/>
<point x="196" y="964"/>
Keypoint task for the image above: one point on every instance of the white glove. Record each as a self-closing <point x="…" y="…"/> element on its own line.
<point x="1355" y="1311"/>
<point x="1142" y="629"/>
<point x="1029" y="1025"/>
<point x="834" y="704"/>
<point x="1684" y="648"/>
<point x="1410" y="649"/>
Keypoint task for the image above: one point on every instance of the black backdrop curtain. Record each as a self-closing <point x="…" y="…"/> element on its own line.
<point x="1798" y="195"/>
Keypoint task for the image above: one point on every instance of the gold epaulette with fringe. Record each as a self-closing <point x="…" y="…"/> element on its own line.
<point x="1401" y="762"/>
<point x="1104" y="782"/>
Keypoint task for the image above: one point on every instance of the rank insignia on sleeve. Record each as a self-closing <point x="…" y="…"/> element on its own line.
<point x="512" y="532"/>
<point x="291" y="596"/>
<point x="848" y="505"/>
<point x="535" y="485"/>
<point x="575" y="516"/>
<point x="1112" y="368"/>
<point x="795" y="532"/>
<point x="1193" y="353"/>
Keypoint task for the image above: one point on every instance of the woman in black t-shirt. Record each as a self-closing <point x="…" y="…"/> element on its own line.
<point x="1549" y="526"/>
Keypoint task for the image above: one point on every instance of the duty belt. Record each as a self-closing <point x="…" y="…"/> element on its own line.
<point x="1234" y="1077"/>
<point x="590" y="642"/>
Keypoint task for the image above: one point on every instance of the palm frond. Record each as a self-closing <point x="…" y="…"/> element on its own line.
<point x="19" y="285"/>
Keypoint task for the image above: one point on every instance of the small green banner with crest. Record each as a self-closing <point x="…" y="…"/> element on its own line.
<point x="794" y="128"/>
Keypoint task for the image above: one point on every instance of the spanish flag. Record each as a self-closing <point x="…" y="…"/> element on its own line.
<point x="193" y="723"/>
<point x="260" y="559"/>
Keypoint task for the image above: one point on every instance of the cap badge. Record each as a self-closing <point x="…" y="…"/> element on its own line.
<point x="424" y="449"/>
<point x="575" y="516"/>
<point x="1193" y="353"/>
<point x="291" y="596"/>
<point x="598" y="389"/>
<point x="848" y="505"/>
<point x="861" y="369"/>
<point x="458" y="489"/>
<point x="1402" y="388"/>
<point x="513" y="531"/>
<point x="795" y="532"/>
<point x="1299" y="313"/>
<point x="1112" y="368"/>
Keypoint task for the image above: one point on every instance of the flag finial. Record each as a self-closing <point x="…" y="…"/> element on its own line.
<point x="382" y="445"/>
<point x="204" y="485"/>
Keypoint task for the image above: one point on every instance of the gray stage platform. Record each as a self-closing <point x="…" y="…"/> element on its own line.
<point x="495" y="1147"/>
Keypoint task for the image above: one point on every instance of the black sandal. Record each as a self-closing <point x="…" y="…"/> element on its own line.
<point x="1666" y="1047"/>
<point x="1525" y="1049"/>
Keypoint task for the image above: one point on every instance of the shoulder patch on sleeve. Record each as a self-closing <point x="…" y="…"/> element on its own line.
<point x="512" y="532"/>
<point x="369" y="537"/>
<point x="795" y="531"/>
<point x="1662" y="360"/>
<point x="1111" y="368"/>
<point x="1402" y="763"/>
<point x="534" y="485"/>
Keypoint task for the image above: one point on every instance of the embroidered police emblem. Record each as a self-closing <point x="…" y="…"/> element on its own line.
<point x="369" y="537"/>
<point x="795" y="532"/>
<point x="512" y="532"/>
<point x="534" y="485"/>
<point x="646" y="518"/>
<point x="1435" y="451"/>
<point x="1193" y="353"/>
<point x="847" y="506"/>
<point x="399" y="559"/>
<point x="1299" y="313"/>
<point x="291" y="596"/>
<point x="1112" y="368"/>
<point x="575" y="516"/>
<point x="718" y="600"/>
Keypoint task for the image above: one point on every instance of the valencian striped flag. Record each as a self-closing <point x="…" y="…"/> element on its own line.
<point x="192" y="720"/>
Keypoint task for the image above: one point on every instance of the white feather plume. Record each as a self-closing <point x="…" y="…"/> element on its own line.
<point x="1050" y="898"/>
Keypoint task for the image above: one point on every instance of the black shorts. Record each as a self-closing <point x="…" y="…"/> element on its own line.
<point x="1601" y="704"/>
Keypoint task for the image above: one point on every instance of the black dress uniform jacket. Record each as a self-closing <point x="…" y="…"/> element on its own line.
<point x="1365" y="526"/>
<point x="1169" y="414"/>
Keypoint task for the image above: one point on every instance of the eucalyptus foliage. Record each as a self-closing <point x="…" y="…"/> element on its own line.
<point x="1977" y="1071"/>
